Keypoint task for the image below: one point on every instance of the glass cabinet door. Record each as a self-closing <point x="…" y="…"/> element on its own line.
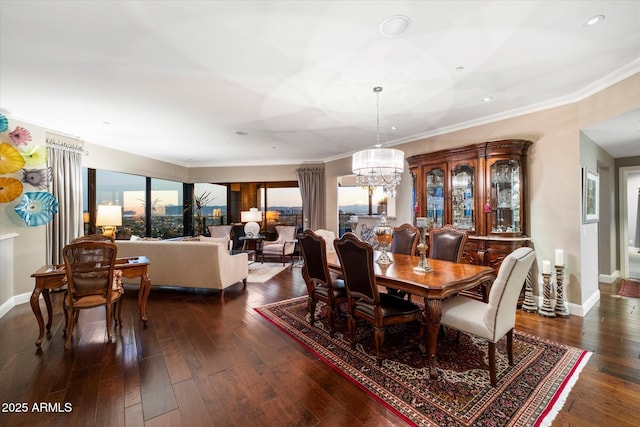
<point x="462" y="197"/>
<point x="505" y="196"/>
<point x="435" y="197"/>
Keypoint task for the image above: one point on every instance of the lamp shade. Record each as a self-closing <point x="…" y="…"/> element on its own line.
<point x="109" y="215"/>
<point x="381" y="161"/>
<point x="252" y="214"/>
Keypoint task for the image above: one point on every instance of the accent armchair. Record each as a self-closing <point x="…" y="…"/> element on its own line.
<point x="284" y="245"/>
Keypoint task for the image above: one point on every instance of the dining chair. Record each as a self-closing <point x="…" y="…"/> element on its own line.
<point x="405" y="239"/>
<point x="284" y="245"/>
<point x="321" y="284"/>
<point x="496" y="318"/>
<point x="93" y="238"/>
<point x="447" y="243"/>
<point x="364" y="300"/>
<point x="328" y="236"/>
<point x="89" y="268"/>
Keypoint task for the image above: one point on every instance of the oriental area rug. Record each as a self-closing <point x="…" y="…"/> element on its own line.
<point x="629" y="288"/>
<point x="527" y="394"/>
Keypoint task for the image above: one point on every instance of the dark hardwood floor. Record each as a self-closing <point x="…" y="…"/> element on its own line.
<point x="203" y="361"/>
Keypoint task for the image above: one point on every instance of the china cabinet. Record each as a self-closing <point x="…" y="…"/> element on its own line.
<point x="480" y="188"/>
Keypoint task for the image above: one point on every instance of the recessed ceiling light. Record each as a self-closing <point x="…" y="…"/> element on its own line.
<point x="487" y="98"/>
<point x="395" y="25"/>
<point x="240" y="132"/>
<point x="459" y="69"/>
<point x="393" y="128"/>
<point x="594" y="20"/>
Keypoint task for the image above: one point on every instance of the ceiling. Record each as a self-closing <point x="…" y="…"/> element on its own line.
<point x="226" y="83"/>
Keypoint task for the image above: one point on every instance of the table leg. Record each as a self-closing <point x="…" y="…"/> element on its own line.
<point x="35" y="306"/>
<point x="47" y="301"/>
<point x="143" y="294"/>
<point x="433" y="314"/>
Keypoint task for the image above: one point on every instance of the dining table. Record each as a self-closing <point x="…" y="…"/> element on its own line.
<point x="444" y="280"/>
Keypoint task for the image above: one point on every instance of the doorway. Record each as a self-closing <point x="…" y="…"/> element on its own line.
<point x="630" y="222"/>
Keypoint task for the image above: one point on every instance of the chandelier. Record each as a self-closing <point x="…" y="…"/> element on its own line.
<point x="378" y="166"/>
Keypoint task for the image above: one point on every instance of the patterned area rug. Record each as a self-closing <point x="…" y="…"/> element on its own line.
<point x="629" y="288"/>
<point x="261" y="272"/>
<point x="528" y="393"/>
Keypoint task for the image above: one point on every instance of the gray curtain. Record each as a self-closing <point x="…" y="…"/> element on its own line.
<point x="65" y="163"/>
<point x="311" y="183"/>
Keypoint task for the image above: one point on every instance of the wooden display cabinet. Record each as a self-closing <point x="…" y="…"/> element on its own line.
<point x="480" y="188"/>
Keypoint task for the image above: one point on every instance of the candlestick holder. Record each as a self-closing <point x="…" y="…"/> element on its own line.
<point x="529" y="303"/>
<point x="561" y="306"/>
<point x="423" y="264"/>
<point x="546" y="310"/>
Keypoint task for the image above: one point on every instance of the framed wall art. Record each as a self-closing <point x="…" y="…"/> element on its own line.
<point x="590" y="196"/>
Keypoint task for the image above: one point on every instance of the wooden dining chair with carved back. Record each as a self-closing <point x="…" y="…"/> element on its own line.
<point x="91" y="282"/>
<point x="447" y="243"/>
<point x="495" y="318"/>
<point x="321" y="284"/>
<point x="365" y="302"/>
<point x="404" y="240"/>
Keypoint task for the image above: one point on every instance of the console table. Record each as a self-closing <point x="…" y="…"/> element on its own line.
<point x="51" y="277"/>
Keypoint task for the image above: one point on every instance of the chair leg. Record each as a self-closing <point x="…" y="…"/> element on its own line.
<point x="70" y="323"/>
<point x="311" y="305"/>
<point x="510" y="346"/>
<point x="352" y="330"/>
<point x="119" y="302"/>
<point x="492" y="363"/>
<point x="109" y="315"/>
<point x="379" y="339"/>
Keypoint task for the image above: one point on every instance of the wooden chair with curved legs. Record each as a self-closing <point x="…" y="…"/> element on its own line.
<point x="365" y="302"/>
<point x="321" y="285"/>
<point x="496" y="318"/>
<point x="89" y="267"/>
<point x="93" y="238"/>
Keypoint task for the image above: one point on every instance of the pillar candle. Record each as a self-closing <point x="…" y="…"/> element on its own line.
<point x="559" y="257"/>
<point x="546" y="267"/>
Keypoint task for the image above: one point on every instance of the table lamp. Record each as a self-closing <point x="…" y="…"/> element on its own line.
<point x="109" y="217"/>
<point x="251" y="228"/>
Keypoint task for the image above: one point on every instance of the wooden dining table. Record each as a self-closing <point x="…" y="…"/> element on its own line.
<point x="445" y="279"/>
<point x="50" y="277"/>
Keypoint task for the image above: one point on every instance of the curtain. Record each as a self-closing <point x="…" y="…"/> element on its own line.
<point x="65" y="163"/>
<point x="311" y="183"/>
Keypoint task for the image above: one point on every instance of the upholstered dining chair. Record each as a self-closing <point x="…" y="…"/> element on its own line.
<point x="329" y="237"/>
<point x="405" y="239"/>
<point x="365" y="302"/>
<point x="321" y="285"/>
<point x="447" y="243"/>
<point x="89" y="268"/>
<point x="496" y="318"/>
<point x="284" y="245"/>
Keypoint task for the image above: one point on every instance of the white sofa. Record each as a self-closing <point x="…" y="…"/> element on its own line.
<point x="189" y="264"/>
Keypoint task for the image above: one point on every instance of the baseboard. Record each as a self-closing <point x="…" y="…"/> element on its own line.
<point x="13" y="301"/>
<point x="609" y="278"/>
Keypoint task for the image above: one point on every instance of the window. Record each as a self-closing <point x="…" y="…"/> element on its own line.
<point x="357" y="200"/>
<point x="215" y="209"/>
<point x="128" y="191"/>
<point x="166" y="209"/>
